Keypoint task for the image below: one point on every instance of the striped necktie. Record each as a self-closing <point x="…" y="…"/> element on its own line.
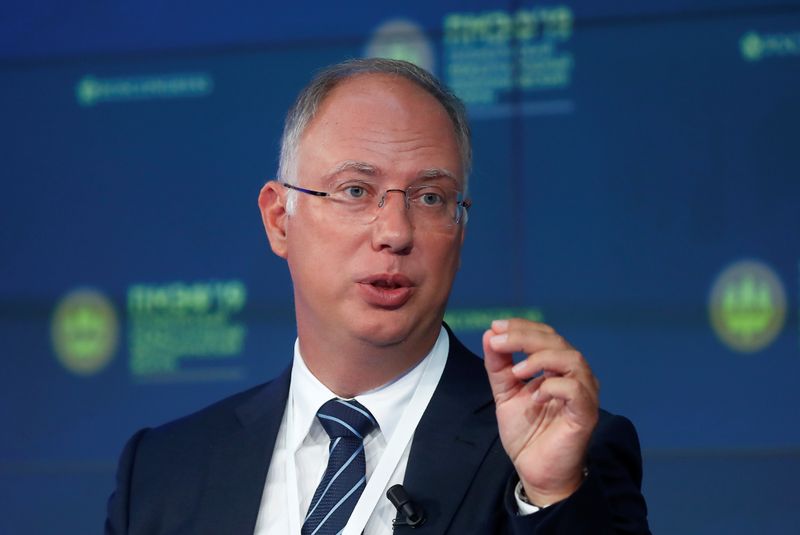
<point x="347" y="422"/>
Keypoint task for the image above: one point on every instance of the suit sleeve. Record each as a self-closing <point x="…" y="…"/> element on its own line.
<point x="608" y="502"/>
<point x="118" y="504"/>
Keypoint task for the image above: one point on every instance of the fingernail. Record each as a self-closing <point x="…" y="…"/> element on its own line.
<point x="500" y="325"/>
<point x="520" y="366"/>
<point x="498" y="339"/>
<point x="536" y="395"/>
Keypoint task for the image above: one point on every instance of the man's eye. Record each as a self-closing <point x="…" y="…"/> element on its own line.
<point x="355" y="192"/>
<point x="431" y="198"/>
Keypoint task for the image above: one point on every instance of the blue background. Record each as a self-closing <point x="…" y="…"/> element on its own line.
<point x="677" y="158"/>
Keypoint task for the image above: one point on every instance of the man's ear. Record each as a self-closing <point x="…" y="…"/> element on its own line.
<point x="272" y="203"/>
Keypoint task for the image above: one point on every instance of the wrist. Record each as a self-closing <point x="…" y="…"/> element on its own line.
<point x="544" y="498"/>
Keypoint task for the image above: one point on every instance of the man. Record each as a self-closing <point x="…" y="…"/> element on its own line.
<point x="369" y="212"/>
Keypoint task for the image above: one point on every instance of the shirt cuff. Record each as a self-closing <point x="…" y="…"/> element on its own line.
<point x="524" y="507"/>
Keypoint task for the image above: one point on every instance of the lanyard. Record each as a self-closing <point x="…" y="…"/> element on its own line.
<point x="387" y="465"/>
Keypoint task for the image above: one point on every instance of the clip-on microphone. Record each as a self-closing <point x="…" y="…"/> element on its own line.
<point x="412" y="514"/>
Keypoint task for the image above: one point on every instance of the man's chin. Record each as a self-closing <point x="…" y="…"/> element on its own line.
<point x="383" y="337"/>
<point x="393" y="331"/>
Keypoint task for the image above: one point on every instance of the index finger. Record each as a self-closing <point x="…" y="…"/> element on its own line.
<point x="527" y="338"/>
<point x="498" y="368"/>
<point x="503" y="325"/>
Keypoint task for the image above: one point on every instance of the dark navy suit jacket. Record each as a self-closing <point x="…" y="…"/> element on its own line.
<point x="204" y="474"/>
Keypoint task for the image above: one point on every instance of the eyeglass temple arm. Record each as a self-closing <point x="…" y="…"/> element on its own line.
<point x="304" y="190"/>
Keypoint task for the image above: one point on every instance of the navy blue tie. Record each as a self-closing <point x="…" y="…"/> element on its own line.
<point x="347" y="422"/>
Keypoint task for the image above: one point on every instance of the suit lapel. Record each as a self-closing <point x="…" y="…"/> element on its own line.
<point x="451" y="440"/>
<point x="239" y="462"/>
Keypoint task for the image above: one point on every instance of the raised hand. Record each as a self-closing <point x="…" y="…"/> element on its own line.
<point x="547" y="406"/>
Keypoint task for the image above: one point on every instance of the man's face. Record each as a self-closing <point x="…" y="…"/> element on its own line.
<point x="386" y="282"/>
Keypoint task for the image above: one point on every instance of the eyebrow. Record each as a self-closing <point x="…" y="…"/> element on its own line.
<point x="353" y="165"/>
<point x="370" y="170"/>
<point x="436" y="172"/>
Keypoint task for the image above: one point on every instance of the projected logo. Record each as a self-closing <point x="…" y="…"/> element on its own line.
<point x="756" y="46"/>
<point x="747" y="306"/>
<point x="91" y="90"/>
<point x="186" y="331"/>
<point x="84" y="331"/>
<point x="401" y="39"/>
<point x="479" y="319"/>
<point x="504" y="62"/>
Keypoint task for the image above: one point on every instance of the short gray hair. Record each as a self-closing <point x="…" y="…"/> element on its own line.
<point x="311" y="97"/>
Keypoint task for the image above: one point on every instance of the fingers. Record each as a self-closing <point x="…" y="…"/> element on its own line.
<point x="504" y="325"/>
<point x="499" y="369"/>
<point x="532" y="386"/>
<point x="525" y="336"/>
<point x="577" y="398"/>
<point x="548" y="353"/>
<point x="551" y="362"/>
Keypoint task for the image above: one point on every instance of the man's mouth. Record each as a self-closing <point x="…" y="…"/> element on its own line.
<point x="386" y="290"/>
<point x="388" y="281"/>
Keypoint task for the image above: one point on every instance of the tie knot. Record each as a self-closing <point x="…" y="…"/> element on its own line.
<point x="345" y="418"/>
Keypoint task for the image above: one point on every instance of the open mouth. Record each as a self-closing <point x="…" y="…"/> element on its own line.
<point x="382" y="283"/>
<point x="388" y="281"/>
<point x="387" y="290"/>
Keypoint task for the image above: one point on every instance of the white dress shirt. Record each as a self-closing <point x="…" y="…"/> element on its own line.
<point x="308" y="441"/>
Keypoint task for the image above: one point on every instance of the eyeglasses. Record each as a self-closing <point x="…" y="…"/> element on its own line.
<point x="428" y="205"/>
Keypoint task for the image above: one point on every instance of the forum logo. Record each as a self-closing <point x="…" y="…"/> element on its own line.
<point x="756" y="46"/>
<point x="402" y="39"/>
<point x="84" y="331"/>
<point x="747" y="306"/>
<point x="91" y="90"/>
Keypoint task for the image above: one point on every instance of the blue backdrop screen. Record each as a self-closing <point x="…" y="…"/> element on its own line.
<point x="635" y="185"/>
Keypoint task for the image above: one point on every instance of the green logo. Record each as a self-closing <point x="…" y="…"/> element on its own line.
<point x="756" y="46"/>
<point x="479" y="319"/>
<point x="747" y="306"/>
<point x="87" y="91"/>
<point x="401" y="39"/>
<point x="84" y="331"/>
<point x="91" y="90"/>
<point x="181" y="331"/>
<point x="752" y="46"/>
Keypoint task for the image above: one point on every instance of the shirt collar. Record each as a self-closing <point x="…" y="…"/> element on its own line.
<point x="386" y="403"/>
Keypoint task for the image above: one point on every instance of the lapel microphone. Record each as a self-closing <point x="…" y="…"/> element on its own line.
<point x="411" y="514"/>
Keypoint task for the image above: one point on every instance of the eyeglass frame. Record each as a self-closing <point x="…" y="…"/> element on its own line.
<point x="465" y="204"/>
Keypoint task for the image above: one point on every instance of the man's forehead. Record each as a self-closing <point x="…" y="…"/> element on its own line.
<point x="373" y="81"/>
<point x="380" y="125"/>
<point x="391" y="90"/>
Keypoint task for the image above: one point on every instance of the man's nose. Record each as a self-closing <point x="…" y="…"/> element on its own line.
<point x="393" y="229"/>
